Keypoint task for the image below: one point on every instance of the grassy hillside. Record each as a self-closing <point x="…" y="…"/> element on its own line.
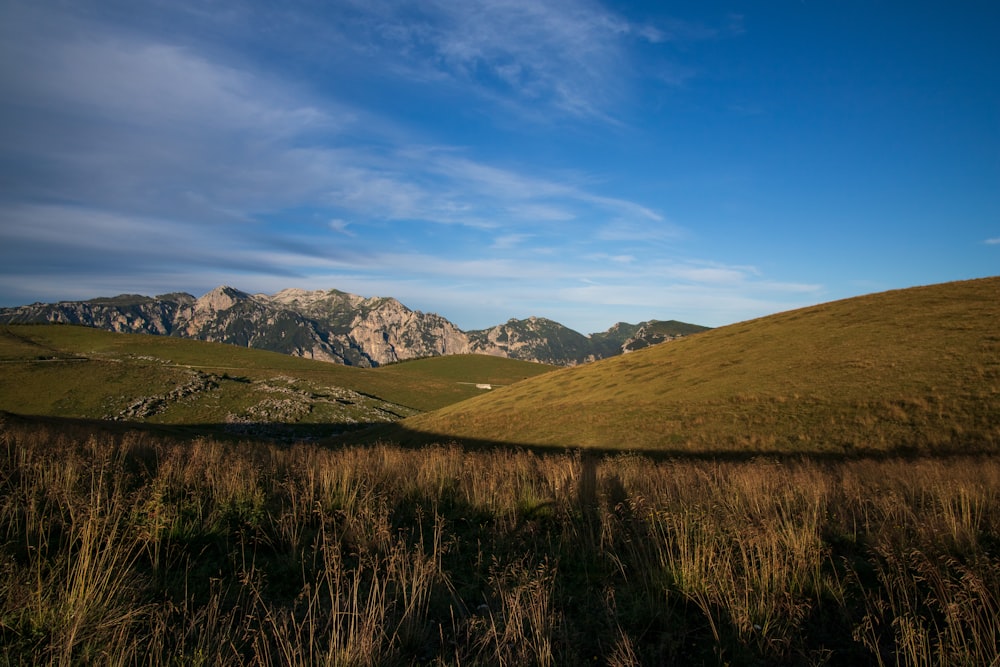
<point x="464" y="369"/>
<point x="69" y="371"/>
<point x="915" y="369"/>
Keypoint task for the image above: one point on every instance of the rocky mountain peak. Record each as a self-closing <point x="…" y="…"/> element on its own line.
<point x="220" y="298"/>
<point x="316" y="301"/>
<point x="294" y="294"/>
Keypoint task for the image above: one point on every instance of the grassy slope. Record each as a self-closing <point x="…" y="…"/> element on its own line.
<point x="69" y="371"/>
<point x="913" y="369"/>
<point x="466" y="368"/>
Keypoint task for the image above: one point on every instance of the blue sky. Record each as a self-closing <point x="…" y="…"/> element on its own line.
<point x="588" y="162"/>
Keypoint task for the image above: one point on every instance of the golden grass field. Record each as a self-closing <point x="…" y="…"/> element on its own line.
<point x="909" y="370"/>
<point x="127" y="548"/>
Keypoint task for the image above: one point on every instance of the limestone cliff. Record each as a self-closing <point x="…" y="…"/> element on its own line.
<point x="382" y="328"/>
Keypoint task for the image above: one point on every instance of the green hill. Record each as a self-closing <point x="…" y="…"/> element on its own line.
<point x="907" y="370"/>
<point x="79" y="372"/>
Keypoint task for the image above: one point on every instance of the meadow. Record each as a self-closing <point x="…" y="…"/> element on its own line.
<point x="122" y="546"/>
<point x="78" y="372"/>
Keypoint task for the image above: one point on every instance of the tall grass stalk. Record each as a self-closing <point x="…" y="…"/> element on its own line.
<point x="129" y="549"/>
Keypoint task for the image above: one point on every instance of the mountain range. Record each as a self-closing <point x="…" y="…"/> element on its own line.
<point x="335" y="326"/>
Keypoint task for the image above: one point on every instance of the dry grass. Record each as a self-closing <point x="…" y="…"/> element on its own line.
<point x="914" y="370"/>
<point x="125" y="549"/>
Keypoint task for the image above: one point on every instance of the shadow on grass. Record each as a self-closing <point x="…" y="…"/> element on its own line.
<point x="370" y="434"/>
<point x="263" y="431"/>
<point x="398" y="433"/>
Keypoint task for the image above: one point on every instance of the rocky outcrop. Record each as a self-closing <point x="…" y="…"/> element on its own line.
<point x="334" y="326"/>
<point x="147" y="406"/>
<point x="656" y="332"/>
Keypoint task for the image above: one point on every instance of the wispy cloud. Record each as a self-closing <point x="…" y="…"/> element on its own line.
<point x="643" y="230"/>
<point x="569" y="57"/>
<point x="993" y="241"/>
<point x="557" y="54"/>
<point x="100" y="241"/>
<point x="341" y="227"/>
<point x="157" y="129"/>
<point x="708" y="302"/>
<point x="508" y="241"/>
<point x="541" y="212"/>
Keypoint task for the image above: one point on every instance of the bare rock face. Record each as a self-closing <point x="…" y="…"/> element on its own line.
<point x="221" y="298"/>
<point x="391" y="332"/>
<point x="382" y="330"/>
<point x="208" y="309"/>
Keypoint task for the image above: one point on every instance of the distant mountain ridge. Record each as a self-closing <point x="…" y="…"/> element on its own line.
<point x="338" y="327"/>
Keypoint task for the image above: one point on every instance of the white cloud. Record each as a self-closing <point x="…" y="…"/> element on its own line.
<point x="509" y="241"/>
<point x="341" y="227"/>
<point x="144" y="126"/>
<point x="993" y="241"/>
<point x="533" y="198"/>
<point x="605" y="257"/>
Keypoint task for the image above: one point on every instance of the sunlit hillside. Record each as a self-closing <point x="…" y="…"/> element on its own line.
<point x="911" y="370"/>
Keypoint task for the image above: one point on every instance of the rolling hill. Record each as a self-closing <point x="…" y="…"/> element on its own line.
<point x="80" y="372"/>
<point x="902" y="371"/>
